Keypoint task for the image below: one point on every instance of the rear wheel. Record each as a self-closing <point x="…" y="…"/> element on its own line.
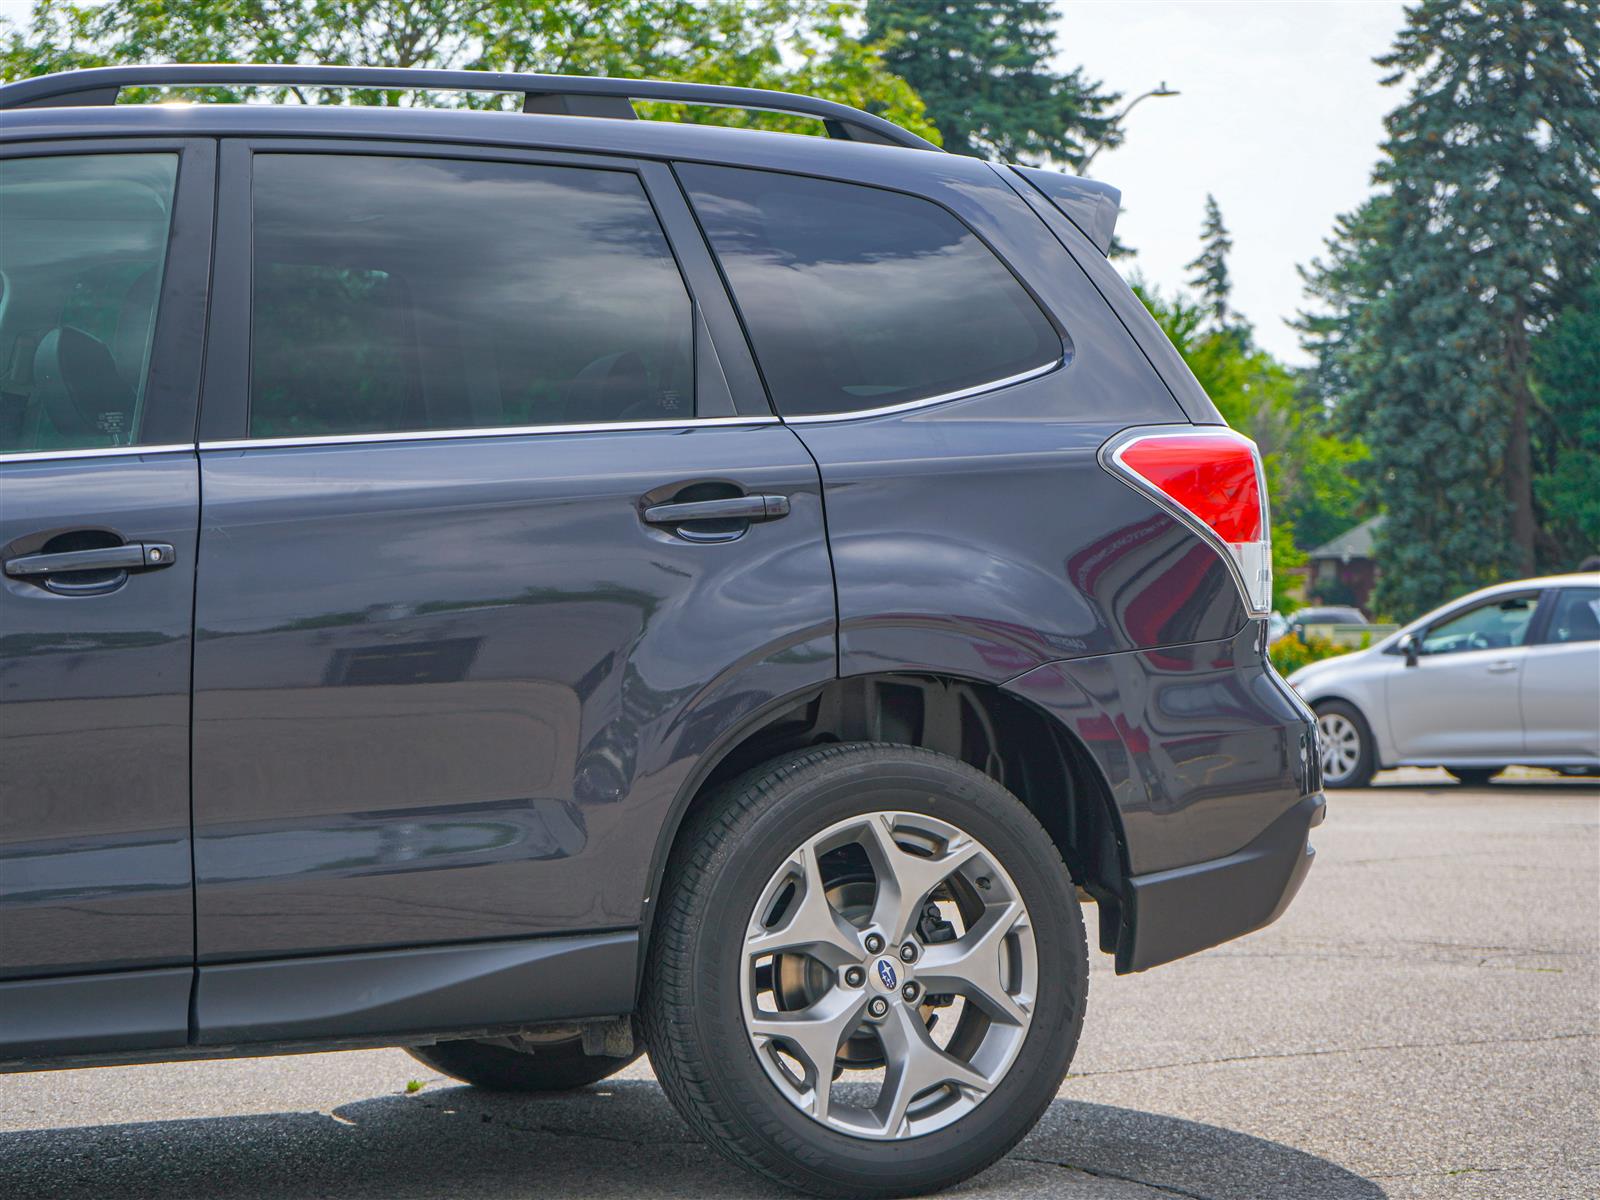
<point x="868" y="974"/>
<point x="554" y="1067"/>
<point x="1345" y="742"/>
<point x="1474" y="776"/>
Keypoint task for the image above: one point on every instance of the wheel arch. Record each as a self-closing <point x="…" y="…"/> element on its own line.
<point x="1000" y="734"/>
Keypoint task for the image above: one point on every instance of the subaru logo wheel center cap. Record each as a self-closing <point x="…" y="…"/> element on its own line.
<point x="886" y="975"/>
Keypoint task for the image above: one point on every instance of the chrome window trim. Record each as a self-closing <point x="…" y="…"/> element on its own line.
<point x="492" y="431"/>
<point x="976" y="389"/>
<point x="431" y="435"/>
<point x="95" y="452"/>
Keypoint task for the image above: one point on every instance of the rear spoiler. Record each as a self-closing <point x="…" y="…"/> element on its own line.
<point x="1089" y="204"/>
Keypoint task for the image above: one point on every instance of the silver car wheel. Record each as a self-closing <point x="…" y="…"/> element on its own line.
<point x="893" y="954"/>
<point x="1340" y="741"/>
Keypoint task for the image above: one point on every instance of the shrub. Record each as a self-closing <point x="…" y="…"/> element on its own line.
<point x="1289" y="654"/>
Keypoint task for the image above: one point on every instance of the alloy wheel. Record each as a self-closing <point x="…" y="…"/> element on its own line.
<point x="1340" y="743"/>
<point x="889" y="975"/>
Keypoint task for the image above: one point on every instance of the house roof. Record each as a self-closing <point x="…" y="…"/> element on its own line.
<point x="1352" y="543"/>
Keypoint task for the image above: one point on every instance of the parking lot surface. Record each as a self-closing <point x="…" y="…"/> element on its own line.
<point x="1424" y="1022"/>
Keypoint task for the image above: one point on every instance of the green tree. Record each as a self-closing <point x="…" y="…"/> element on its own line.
<point x="1324" y="490"/>
<point x="1483" y="226"/>
<point x="982" y="67"/>
<point x="1566" y="377"/>
<point x="1210" y="268"/>
<point x="797" y="45"/>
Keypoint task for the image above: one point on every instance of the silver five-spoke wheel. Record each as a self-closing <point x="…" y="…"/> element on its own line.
<point x="889" y="975"/>
<point x="1340" y="743"/>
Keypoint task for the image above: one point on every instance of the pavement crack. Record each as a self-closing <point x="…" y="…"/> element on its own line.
<point x="1238" y="1058"/>
<point x="1103" y="1174"/>
<point x="1439" y="1172"/>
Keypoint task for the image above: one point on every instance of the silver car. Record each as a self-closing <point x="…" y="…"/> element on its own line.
<point x="1509" y="674"/>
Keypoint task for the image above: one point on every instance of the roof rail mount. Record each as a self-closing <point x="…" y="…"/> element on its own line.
<point x="570" y="95"/>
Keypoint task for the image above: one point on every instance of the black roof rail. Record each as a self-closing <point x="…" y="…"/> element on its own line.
<point x="572" y="95"/>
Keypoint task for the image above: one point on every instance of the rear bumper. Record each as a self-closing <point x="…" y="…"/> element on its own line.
<point x="1168" y="914"/>
<point x="1211" y="785"/>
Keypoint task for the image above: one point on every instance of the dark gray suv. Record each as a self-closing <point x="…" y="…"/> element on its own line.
<point x="530" y="587"/>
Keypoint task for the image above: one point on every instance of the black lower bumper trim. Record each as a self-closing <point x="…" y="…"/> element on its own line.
<point x="1169" y="914"/>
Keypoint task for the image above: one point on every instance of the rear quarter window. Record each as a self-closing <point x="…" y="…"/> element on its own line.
<point x="859" y="298"/>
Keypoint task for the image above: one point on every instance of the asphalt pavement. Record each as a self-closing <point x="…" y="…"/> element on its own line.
<point x="1423" y="1023"/>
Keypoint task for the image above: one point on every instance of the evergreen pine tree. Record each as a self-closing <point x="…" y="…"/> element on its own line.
<point x="1485" y="223"/>
<point x="1210" y="278"/>
<point x="1566" y="481"/>
<point x="982" y="68"/>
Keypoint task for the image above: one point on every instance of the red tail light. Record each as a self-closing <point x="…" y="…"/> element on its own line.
<point x="1210" y="478"/>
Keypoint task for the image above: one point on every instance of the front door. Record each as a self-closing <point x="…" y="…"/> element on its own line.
<point x="1461" y="702"/>
<point x="104" y="253"/>
<point x="456" y="649"/>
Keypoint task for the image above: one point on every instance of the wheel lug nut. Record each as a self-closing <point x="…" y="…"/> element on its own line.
<point x="855" y="976"/>
<point x="878" y="1006"/>
<point x="908" y="952"/>
<point x="874" y="943"/>
<point x="909" y="992"/>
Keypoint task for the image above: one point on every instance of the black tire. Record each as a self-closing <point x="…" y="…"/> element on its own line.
<point x="1329" y="714"/>
<point x="559" y="1067"/>
<point x="1474" y="776"/>
<point x="692" y="1007"/>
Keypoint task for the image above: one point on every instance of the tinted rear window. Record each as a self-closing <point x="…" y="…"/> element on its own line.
<point x="1576" y="617"/>
<point x="859" y="298"/>
<point x="400" y="294"/>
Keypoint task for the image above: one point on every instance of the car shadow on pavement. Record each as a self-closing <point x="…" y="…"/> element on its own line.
<point x="618" y="1139"/>
<point x="1438" y="781"/>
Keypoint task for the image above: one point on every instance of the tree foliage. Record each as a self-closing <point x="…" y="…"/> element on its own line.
<point x="1566" y="382"/>
<point x="1484" y="224"/>
<point x="1210" y="267"/>
<point x="794" y="45"/>
<point x="982" y="67"/>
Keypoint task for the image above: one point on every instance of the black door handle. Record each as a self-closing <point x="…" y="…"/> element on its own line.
<point x="734" y="508"/>
<point x="132" y="556"/>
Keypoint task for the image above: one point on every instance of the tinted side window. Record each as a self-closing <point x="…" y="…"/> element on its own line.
<point x="1496" y="625"/>
<point x="1576" y="616"/>
<point x="400" y="294"/>
<point x="859" y="298"/>
<point x="83" y="245"/>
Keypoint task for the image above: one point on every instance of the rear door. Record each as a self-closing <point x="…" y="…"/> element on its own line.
<point x="104" y="257"/>
<point x="1561" y="678"/>
<point x="457" y="650"/>
<point x="1461" y="701"/>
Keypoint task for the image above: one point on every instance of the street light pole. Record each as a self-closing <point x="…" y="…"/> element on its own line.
<point x="1116" y="122"/>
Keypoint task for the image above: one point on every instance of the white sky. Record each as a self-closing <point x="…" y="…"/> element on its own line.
<point x="1280" y="117"/>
